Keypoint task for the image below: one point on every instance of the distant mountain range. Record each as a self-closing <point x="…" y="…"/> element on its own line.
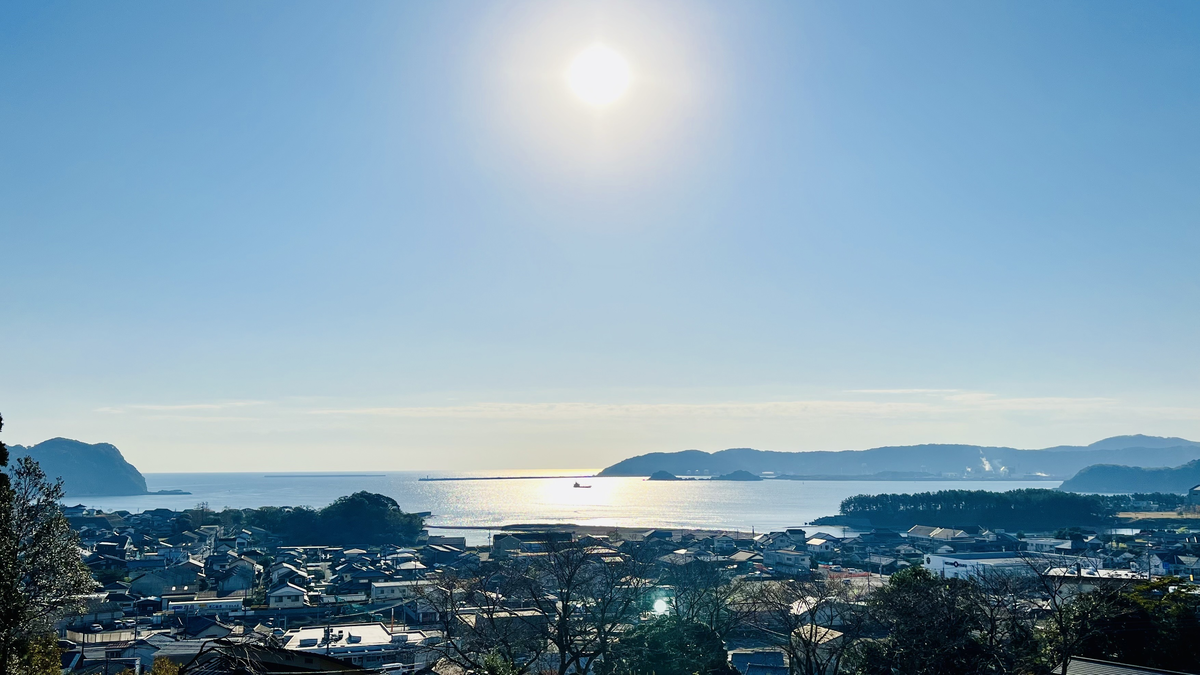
<point x="946" y="461"/>
<point x="87" y="469"/>
<point x="1112" y="479"/>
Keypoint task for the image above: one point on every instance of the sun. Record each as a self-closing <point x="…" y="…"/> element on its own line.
<point x="598" y="75"/>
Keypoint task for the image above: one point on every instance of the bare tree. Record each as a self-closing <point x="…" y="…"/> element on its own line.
<point x="1057" y="587"/>
<point x="708" y="593"/>
<point x="566" y="604"/>
<point x="481" y="625"/>
<point x="588" y="595"/>
<point x="813" y="621"/>
<point x="1008" y="610"/>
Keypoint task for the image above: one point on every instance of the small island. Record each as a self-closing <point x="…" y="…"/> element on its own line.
<point x="739" y="475"/>
<point x="663" y="475"/>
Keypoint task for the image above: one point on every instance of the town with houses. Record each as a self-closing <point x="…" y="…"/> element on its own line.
<point x="208" y="596"/>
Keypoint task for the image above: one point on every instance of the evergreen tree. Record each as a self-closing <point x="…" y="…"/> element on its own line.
<point x="670" y="646"/>
<point x="932" y="626"/>
<point x="41" y="574"/>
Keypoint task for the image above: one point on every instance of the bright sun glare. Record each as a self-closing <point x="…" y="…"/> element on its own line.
<point x="598" y="75"/>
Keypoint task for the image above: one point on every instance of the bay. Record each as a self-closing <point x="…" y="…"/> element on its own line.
<point x="543" y="497"/>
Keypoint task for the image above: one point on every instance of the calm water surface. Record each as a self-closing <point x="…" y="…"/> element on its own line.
<point x="485" y="504"/>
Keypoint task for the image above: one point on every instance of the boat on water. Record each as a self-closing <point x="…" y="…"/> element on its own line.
<point x="582" y="486"/>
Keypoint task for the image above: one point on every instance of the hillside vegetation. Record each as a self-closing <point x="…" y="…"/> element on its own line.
<point x="1110" y="478"/>
<point x="1017" y="509"/>
<point x="362" y="518"/>
<point x="87" y="469"/>
<point x="1029" y="509"/>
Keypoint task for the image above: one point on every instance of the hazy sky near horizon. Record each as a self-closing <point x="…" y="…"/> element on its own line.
<point x="387" y="235"/>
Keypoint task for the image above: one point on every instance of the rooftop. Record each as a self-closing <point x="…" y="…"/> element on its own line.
<point x="349" y="637"/>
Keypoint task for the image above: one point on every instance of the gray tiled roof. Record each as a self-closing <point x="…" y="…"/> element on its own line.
<point x="1081" y="666"/>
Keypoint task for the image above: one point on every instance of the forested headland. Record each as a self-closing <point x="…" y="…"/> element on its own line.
<point x="362" y="518"/>
<point x="1017" y="509"/>
<point x="1114" y="478"/>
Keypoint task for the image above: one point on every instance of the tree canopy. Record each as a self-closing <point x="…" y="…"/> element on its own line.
<point x="1029" y="508"/>
<point x="41" y="574"/>
<point x="670" y="646"/>
<point x="363" y="518"/>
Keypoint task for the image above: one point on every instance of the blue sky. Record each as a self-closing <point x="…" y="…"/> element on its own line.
<point x="386" y="235"/>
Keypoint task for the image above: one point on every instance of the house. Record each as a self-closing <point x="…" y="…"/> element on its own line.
<point x="505" y="545"/>
<point x="440" y="554"/>
<point x="238" y="576"/>
<point x="191" y="542"/>
<point x="98" y="562"/>
<point x="538" y="542"/>
<point x="287" y="595"/>
<point x="147" y="562"/>
<point x="882" y="564"/>
<point x="281" y="572"/>
<point x="822" y="543"/>
<point x="176" y="578"/>
<point x="938" y="536"/>
<point x="828" y="612"/>
<point x="205" y="606"/>
<point x="420" y="612"/>
<point x="123" y="600"/>
<point x="771" y="540"/>
<point x="1193" y="496"/>
<point x="195" y="627"/>
<point x="1187" y="565"/>
<point x="741" y="659"/>
<point x="788" y="561"/>
<point x="459" y="543"/>
<point x="397" y="590"/>
<point x="117" y="546"/>
<point x="529" y="622"/>
<point x="1044" y="544"/>
<point x="161" y="645"/>
<point x="723" y="544"/>
<point x="1160" y="563"/>
<point x="746" y="559"/>
<point x="412" y="569"/>
<point x="1079" y="665"/>
<point x="1076" y="579"/>
<point x="217" y="562"/>
<point x="796" y="534"/>
<point x="683" y="556"/>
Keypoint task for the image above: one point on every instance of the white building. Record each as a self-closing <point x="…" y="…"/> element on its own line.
<point x="369" y="645"/>
<point x="786" y="561"/>
<point x="963" y="565"/>
<point x="382" y="591"/>
<point x="205" y="607"/>
<point x="287" y="595"/>
<point x="822" y="543"/>
<point x="1044" y="544"/>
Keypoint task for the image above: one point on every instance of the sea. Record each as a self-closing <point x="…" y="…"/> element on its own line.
<point x="476" y="508"/>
